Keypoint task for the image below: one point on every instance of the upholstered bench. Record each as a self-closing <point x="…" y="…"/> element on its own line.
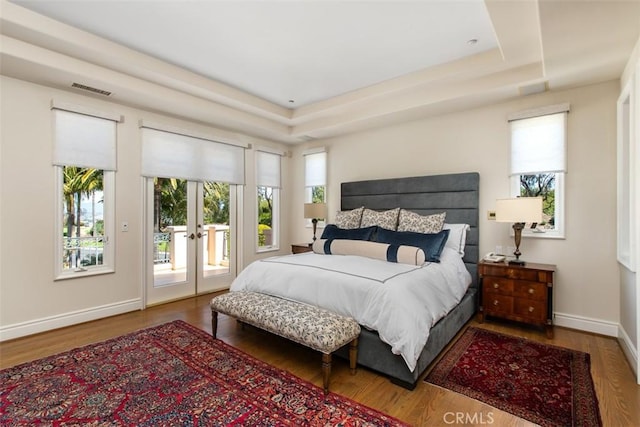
<point x="313" y="327"/>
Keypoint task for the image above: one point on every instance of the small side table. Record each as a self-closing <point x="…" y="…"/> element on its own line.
<point x="523" y="293"/>
<point x="298" y="248"/>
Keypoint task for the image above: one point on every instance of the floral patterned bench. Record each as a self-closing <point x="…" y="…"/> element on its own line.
<point x="311" y="326"/>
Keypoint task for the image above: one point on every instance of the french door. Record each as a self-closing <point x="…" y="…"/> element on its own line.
<point x="190" y="238"/>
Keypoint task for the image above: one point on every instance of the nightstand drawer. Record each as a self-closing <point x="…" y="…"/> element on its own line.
<point x="499" y="304"/>
<point x="522" y="274"/>
<point x="531" y="290"/>
<point x="498" y="285"/>
<point x="530" y="309"/>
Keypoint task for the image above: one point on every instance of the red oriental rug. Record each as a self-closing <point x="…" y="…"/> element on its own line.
<point x="169" y="375"/>
<point x="548" y="385"/>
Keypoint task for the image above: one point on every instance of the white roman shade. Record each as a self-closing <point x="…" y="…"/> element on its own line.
<point x="84" y="141"/>
<point x="315" y="169"/>
<point x="172" y="155"/>
<point x="268" y="169"/>
<point x="539" y="144"/>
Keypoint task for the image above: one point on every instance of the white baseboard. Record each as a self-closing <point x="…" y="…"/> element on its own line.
<point x="22" y="329"/>
<point x="586" y="324"/>
<point x="629" y="351"/>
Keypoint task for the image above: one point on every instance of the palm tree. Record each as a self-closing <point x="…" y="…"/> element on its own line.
<point x="77" y="182"/>
<point x="216" y="202"/>
<point x="162" y="188"/>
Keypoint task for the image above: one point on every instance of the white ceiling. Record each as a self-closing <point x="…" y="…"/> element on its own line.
<point x="348" y="65"/>
<point x="305" y="51"/>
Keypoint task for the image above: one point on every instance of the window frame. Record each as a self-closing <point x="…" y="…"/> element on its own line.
<point x="70" y="149"/>
<point x="559" y="211"/>
<point x="270" y="175"/>
<point x="108" y="254"/>
<point x="559" y="190"/>
<point x="275" y="221"/>
<point x="308" y="189"/>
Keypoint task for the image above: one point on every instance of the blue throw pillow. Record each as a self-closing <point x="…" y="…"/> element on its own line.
<point x="331" y="231"/>
<point x="431" y="244"/>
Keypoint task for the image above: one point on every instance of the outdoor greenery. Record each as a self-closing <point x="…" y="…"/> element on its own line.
<point x="541" y="185"/>
<point x="77" y="183"/>
<point x="265" y="213"/>
<point x="317" y="195"/>
<point x="170" y="203"/>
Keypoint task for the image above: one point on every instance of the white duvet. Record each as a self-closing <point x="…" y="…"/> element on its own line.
<point x="402" y="302"/>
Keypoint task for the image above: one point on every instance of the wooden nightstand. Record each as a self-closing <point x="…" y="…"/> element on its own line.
<point x="298" y="248"/>
<point x="520" y="293"/>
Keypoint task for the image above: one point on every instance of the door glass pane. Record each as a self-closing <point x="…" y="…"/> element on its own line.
<point x="216" y="242"/>
<point x="169" y="231"/>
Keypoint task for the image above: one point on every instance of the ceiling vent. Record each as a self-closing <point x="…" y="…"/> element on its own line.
<point x="306" y="138"/>
<point x="91" y="89"/>
<point x="534" y="88"/>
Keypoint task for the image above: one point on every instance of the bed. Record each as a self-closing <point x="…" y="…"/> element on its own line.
<point x="455" y="194"/>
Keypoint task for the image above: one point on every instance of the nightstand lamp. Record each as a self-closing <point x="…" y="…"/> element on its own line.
<point x="519" y="211"/>
<point x="315" y="211"/>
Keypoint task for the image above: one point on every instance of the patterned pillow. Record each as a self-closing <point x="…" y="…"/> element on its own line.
<point x="411" y="221"/>
<point x="385" y="219"/>
<point x="349" y="219"/>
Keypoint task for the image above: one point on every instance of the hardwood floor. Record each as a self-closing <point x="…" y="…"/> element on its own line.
<point x="427" y="405"/>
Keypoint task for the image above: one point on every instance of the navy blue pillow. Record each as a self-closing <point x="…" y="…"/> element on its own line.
<point x="332" y="231"/>
<point x="431" y="244"/>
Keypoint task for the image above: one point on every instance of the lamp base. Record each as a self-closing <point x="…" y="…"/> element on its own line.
<point x="516" y="262"/>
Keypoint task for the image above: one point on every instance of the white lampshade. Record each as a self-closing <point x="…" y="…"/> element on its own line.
<point x="520" y="209"/>
<point x="315" y="210"/>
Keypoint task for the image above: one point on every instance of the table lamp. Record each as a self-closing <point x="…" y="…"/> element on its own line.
<point x="315" y="211"/>
<point x="519" y="211"/>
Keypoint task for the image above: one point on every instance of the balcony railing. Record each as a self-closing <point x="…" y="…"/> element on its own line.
<point x="170" y="245"/>
<point x="81" y="252"/>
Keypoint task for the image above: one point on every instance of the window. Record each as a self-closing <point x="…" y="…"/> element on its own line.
<point x="268" y="202"/>
<point x="539" y="162"/>
<point x="315" y="177"/>
<point x="84" y="157"/>
<point x="626" y="167"/>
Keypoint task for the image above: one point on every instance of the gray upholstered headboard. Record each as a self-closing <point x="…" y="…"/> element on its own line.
<point x="457" y="194"/>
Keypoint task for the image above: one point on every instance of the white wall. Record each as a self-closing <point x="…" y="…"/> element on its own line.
<point x="587" y="292"/>
<point x="587" y="288"/>
<point x="30" y="300"/>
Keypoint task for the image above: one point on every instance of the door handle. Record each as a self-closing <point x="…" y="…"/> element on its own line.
<point x="192" y="236"/>
<point x="199" y="235"/>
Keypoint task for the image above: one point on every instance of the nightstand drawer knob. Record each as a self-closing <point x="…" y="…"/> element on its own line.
<point x="495" y="302"/>
<point x="531" y="291"/>
<point x="531" y="309"/>
<point x="496" y="286"/>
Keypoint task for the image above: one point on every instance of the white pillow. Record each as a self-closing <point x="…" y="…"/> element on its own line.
<point x="457" y="237"/>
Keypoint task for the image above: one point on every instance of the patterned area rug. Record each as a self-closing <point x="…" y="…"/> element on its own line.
<point x="548" y="385"/>
<point x="169" y="375"/>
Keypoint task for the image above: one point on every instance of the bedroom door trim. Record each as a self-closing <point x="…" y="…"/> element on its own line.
<point x="185" y="260"/>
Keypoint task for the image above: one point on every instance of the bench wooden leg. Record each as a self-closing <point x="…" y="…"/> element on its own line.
<point x="214" y="323"/>
<point x="353" y="355"/>
<point x="326" y="371"/>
